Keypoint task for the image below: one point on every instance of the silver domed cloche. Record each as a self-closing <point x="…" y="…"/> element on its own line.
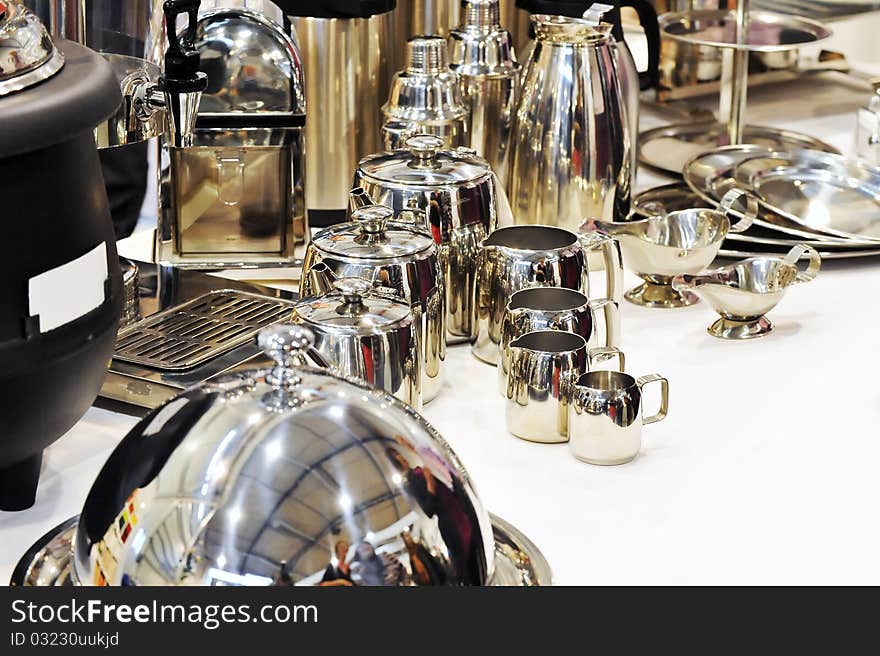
<point x="293" y="475"/>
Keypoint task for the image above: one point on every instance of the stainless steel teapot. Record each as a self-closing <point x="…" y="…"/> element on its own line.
<point x="462" y="201"/>
<point x="391" y="254"/>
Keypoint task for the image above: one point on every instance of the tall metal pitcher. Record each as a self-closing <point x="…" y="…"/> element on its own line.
<point x="572" y="141"/>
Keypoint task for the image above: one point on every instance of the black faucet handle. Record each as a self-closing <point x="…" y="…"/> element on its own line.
<point x="182" y="58"/>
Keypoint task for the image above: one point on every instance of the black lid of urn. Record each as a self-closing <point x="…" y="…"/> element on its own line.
<point x="80" y="96"/>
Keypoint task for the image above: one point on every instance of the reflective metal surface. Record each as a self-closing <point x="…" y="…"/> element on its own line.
<point x="358" y="55"/>
<point x="235" y="197"/>
<point x="544" y="365"/>
<point x="556" y="308"/>
<point x="366" y="336"/>
<point x="823" y="192"/>
<point x="607" y="414"/>
<point x="712" y="174"/>
<point x="393" y="255"/>
<point x="462" y="203"/>
<point x="571" y="150"/>
<point x="426" y="96"/>
<point x="136" y="119"/>
<point x="27" y="53"/>
<point x="193" y="333"/>
<point x="767" y="32"/>
<point x="744" y="292"/>
<point x="685" y="241"/>
<point x="519" y="257"/>
<point x="284" y="475"/>
<point x="518" y="562"/>
<point x="667" y="198"/>
<point x="668" y="149"/>
<point x="131" y="308"/>
<point x="160" y="289"/>
<point x="482" y="54"/>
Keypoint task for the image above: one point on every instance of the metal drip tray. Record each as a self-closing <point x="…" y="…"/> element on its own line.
<point x="193" y="333"/>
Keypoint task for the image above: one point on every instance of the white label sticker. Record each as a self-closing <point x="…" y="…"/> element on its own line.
<point x="69" y="291"/>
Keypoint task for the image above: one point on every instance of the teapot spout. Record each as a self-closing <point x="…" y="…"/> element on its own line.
<point x="358" y="198"/>
<point x="319" y="280"/>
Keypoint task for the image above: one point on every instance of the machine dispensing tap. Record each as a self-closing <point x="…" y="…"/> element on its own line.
<point x="179" y="89"/>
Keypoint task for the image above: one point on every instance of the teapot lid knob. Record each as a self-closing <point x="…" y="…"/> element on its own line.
<point x="425" y="147"/>
<point x="353" y="290"/>
<point x="373" y="218"/>
<point x="286" y="344"/>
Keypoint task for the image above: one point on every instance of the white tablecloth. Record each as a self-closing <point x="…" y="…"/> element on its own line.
<point x="764" y="472"/>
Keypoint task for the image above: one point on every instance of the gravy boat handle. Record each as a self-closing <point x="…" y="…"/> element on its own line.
<point x="796" y="253"/>
<point x="685" y="282"/>
<point x="742" y="221"/>
<point x="611" y="228"/>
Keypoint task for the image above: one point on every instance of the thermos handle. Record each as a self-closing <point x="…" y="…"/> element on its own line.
<point x="610" y="312"/>
<point x="642" y="381"/>
<point x="648" y="20"/>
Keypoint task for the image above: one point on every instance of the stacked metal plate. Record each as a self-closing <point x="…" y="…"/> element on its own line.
<point x="805" y="196"/>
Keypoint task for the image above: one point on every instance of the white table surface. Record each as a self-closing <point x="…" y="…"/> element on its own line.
<point x="765" y="471"/>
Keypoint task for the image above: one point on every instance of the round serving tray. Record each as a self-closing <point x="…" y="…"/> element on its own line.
<point x="711" y="175"/>
<point x="767" y="31"/>
<point x="822" y="192"/>
<point x="669" y="148"/>
<point x="518" y="562"/>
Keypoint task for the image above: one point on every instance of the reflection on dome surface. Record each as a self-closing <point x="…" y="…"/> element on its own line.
<point x="316" y="481"/>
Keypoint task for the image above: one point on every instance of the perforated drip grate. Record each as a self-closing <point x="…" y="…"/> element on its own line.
<point x="188" y="335"/>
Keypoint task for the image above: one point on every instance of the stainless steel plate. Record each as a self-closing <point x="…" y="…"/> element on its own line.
<point x="667" y="198"/>
<point x="518" y="562"/>
<point x="730" y="252"/>
<point x="668" y="149"/>
<point x="188" y="335"/>
<point x="767" y="32"/>
<point x="710" y="175"/>
<point x="820" y="191"/>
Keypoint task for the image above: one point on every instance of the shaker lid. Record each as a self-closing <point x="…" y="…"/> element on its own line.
<point x="27" y="53"/>
<point x="426" y="163"/>
<point x="372" y="235"/>
<point x="354" y="308"/>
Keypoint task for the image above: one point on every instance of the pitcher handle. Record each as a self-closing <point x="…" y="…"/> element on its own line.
<point x="744" y="221"/>
<point x="796" y="253"/>
<point x="613" y="259"/>
<point x="610" y="320"/>
<point x="605" y="353"/>
<point x="642" y="382"/>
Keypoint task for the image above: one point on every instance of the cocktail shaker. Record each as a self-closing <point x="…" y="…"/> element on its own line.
<point x="425" y="97"/>
<point x="482" y="55"/>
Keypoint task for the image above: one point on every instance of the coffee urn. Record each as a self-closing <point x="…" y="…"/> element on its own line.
<point x="61" y="296"/>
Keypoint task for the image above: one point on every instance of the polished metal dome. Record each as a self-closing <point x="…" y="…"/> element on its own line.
<point x="291" y="475"/>
<point x="252" y="65"/>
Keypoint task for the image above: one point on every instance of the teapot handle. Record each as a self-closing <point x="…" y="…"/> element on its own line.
<point x="796" y="253"/>
<point x="745" y="219"/>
